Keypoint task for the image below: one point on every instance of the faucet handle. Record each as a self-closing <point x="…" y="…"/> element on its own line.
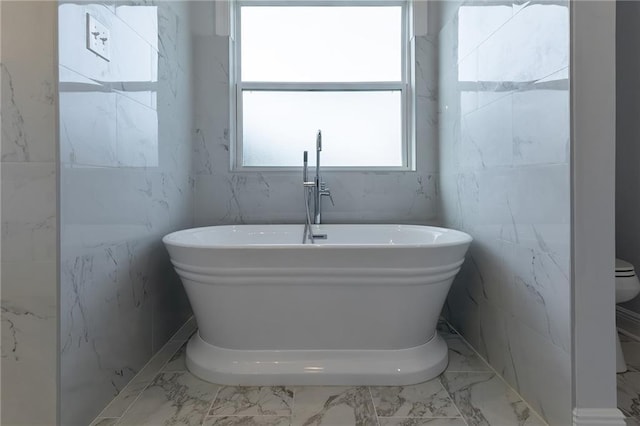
<point x="327" y="193"/>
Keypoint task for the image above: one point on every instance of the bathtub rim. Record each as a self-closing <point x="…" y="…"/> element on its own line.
<point x="464" y="238"/>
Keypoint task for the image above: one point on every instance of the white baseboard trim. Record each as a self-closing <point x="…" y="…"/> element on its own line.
<point x="598" y="417"/>
<point x="628" y="322"/>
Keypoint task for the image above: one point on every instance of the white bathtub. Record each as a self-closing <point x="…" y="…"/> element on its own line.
<point x="359" y="308"/>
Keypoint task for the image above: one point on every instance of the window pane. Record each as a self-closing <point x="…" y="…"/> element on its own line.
<point x="321" y="44"/>
<point x="358" y="128"/>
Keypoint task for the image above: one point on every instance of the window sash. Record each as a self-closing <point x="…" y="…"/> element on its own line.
<point x="312" y="3"/>
<point x="404" y="86"/>
<point x="320" y="87"/>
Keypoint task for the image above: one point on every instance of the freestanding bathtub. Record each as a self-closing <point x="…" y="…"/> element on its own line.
<point x="357" y="308"/>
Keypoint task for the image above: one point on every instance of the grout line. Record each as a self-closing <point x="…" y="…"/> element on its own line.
<point x="428" y="418"/>
<point x="188" y="323"/>
<point x="373" y="403"/>
<point x="293" y="403"/>
<point x="134" y="401"/>
<point x="495" y="372"/>
<point x="212" y="402"/>
<point x="100" y="418"/>
<point x="551" y="73"/>
<point x="452" y="401"/>
<point x="217" y="416"/>
<point x="464" y="419"/>
<point x="146" y="384"/>
<point x="628" y="334"/>
<point x="157" y="354"/>
<point x="477" y="47"/>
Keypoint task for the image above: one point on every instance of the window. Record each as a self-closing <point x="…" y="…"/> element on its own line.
<point x="338" y="66"/>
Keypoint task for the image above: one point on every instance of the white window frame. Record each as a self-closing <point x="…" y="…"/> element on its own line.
<point x="406" y="86"/>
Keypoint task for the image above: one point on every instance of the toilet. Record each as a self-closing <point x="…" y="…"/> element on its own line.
<point x="627" y="287"/>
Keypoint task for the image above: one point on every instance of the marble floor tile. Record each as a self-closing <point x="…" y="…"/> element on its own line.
<point x="428" y="399"/>
<point x="628" y="385"/>
<point x="412" y="421"/>
<point x="173" y="398"/>
<point x="248" y="421"/>
<point x="333" y="405"/>
<point x="462" y="357"/>
<point x="177" y="361"/>
<point x="253" y="401"/>
<point x="465" y="395"/>
<point x="485" y="400"/>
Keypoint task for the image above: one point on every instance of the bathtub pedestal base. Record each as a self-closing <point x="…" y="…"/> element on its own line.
<point x="316" y="367"/>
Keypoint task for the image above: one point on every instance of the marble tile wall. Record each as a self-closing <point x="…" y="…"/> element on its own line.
<point x="504" y="179"/>
<point x="29" y="213"/>
<point x="225" y="197"/>
<point x="126" y="181"/>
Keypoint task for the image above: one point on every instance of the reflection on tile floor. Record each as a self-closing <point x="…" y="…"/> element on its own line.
<point x="629" y="382"/>
<point x="468" y="393"/>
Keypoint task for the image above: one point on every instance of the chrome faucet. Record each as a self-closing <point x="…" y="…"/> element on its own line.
<point x="321" y="189"/>
<point x="318" y="187"/>
<point x="315" y="189"/>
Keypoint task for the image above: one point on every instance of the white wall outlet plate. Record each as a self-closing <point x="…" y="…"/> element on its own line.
<point x="98" y="38"/>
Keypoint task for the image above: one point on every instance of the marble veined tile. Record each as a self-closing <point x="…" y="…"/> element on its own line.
<point x="174" y="398"/>
<point x="462" y="357"/>
<point x="629" y="392"/>
<point x="485" y="400"/>
<point x="333" y="405"/>
<point x="413" y="421"/>
<point x="248" y="421"/>
<point x="428" y="399"/>
<point x="253" y="401"/>
<point x="137" y="134"/>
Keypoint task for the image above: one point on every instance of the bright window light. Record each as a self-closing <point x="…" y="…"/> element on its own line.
<point x="340" y="69"/>
<point x="279" y="126"/>
<point x="328" y="44"/>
